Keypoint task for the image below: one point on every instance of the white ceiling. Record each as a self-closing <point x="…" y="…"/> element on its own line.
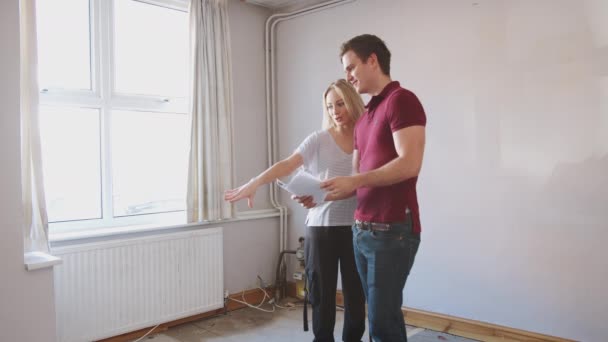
<point x="278" y="4"/>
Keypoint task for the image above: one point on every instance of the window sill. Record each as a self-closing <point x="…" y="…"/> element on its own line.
<point x="40" y="260"/>
<point x="117" y="231"/>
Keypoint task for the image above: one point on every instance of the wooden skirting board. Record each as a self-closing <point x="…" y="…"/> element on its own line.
<point x="465" y="327"/>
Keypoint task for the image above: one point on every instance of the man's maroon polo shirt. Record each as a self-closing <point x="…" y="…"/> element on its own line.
<point x="393" y="109"/>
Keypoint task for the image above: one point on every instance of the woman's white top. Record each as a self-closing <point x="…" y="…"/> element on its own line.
<point x="324" y="159"/>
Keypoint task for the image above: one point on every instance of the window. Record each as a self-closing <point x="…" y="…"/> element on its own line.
<point x="115" y="130"/>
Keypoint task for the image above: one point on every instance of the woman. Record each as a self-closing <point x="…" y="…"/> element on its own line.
<point x="326" y="154"/>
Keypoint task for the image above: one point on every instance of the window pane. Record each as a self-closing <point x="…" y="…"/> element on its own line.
<point x="151" y="49"/>
<point x="64" y="58"/>
<point x="149" y="161"/>
<point x="70" y="140"/>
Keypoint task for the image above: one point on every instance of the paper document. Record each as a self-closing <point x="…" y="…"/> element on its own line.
<point x="305" y="184"/>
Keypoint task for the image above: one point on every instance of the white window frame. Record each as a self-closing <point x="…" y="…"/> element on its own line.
<point x="103" y="97"/>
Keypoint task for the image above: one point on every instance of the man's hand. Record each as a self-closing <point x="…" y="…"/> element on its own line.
<point x="340" y="187"/>
<point x="305" y="201"/>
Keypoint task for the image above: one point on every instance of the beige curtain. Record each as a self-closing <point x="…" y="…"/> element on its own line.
<point x="36" y="221"/>
<point x="211" y="158"/>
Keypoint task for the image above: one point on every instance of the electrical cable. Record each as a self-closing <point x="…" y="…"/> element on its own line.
<point x="148" y="333"/>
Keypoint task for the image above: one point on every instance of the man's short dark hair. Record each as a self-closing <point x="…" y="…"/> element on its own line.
<point x="366" y="44"/>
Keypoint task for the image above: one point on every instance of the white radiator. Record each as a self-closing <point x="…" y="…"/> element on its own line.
<point x="110" y="288"/>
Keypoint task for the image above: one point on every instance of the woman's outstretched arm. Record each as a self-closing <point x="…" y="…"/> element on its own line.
<point x="278" y="170"/>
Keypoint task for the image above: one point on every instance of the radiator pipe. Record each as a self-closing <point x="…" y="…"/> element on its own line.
<point x="271" y="114"/>
<point x="280" y="281"/>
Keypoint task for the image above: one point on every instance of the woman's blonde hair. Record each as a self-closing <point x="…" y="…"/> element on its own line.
<point x="352" y="100"/>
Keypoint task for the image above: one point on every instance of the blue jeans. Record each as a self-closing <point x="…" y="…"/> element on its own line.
<point x="384" y="260"/>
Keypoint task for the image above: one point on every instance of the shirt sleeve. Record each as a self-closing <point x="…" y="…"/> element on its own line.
<point x="308" y="148"/>
<point x="405" y="110"/>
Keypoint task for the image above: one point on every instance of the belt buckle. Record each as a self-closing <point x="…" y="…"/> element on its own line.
<point x="363" y="225"/>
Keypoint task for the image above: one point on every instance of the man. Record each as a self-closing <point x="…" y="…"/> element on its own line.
<point x="389" y="147"/>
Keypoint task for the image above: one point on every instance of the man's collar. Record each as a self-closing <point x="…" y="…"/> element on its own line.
<point x="384" y="93"/>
